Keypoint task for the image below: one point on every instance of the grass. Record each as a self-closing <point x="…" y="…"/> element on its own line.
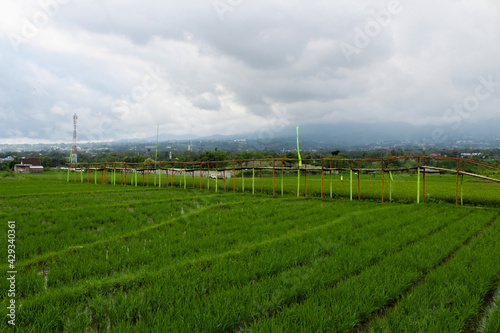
<point x="132" y="258"/>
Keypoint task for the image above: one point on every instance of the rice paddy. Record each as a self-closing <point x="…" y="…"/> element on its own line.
<point x="101" y="257"/>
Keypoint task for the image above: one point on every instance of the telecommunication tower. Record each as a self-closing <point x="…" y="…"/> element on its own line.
<point x="74" y="158"/>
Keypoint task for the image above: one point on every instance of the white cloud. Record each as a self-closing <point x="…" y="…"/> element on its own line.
<point x="125" y="66"/>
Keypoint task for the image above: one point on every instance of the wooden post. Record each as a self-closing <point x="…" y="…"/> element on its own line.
<point x="253" y="177"/>
<point x="143" y="174"/>
<point x="331" y="180"/>
<point x="462" y="184"/>
<point x="383" y="181"/>
<point x="418" y="181"/>
<point x="305" y="178"/>
<point x="88" y="173"/>
<point x="359" y="183"/>
<point x="224" y="174"/>
<point x="350" y="182"/>
<point x="322" y="176"/>
<point x="424" y="180"/>
<point x="298" y="179"/>
<point x="201" y="172"/>
<point x="390" y="180"/>
<point x="261" y="175"/>
<point x="274" y="174"/>
<point x="242" y="177"/>
<point x="281" y="177"/>
<point x="172" y="180"/>
<point x="125" y="176"/>
<point x="216" y="176"/>
<point x="458" y="175"/>
<point x="234" y="177"/>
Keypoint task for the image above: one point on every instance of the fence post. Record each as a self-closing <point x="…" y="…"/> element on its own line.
<point x="242" y="177"/>
<point x="331" y="180"/>
<point x="458" y="174"/>
<point x="462" y="184"/>
<point x="298" y="180"/>
<point x="253" y="177"/>
<point x="418" y="181"/>
<point x="350" y="182"/>
<point x="424" y="180"/>
<point x="216" y="176"/>
<point x="274" y="174"/>
<point x="322" y="176"/>
<point x="261" y="176"/>
<point x="359" y="182"/>
<point x="305" y="178"/>
<point x="281" y="177"/>
<point x="383" y="181"/>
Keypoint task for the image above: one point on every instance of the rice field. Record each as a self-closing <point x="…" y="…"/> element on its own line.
<point x="100" y="257"/>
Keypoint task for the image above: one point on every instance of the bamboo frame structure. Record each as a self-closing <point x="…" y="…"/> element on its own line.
<point x="283" y="165"/>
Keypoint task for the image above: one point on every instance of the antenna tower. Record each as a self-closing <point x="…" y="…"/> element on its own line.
<point x="74" y="158"/>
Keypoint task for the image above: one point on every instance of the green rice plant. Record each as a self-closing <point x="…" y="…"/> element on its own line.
<point x="342" y="307"/>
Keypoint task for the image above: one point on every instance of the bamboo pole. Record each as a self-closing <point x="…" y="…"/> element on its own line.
<point x="462" y="184"/>
<point x="253" y="177"/>
<point x="322" y="177"/>
<point x="390" y="180"/>
<point x="185" y="179"/>
<point x="305" y="178"/>
<point x="298" y="180"/>
<point x="350" y="182"/>
<point x="458" y="175"/>
<point x="242" y="177"/>
<point x="383" y="181"/>
<point x="424" y="181"/>
<point x="331" y="181"/>
<point x="125" y="176"/>
<point x="274" y="174"/>
<point x="418" y="181"/>
<point x="281" y="177"/>
<point x="359" y="184"/>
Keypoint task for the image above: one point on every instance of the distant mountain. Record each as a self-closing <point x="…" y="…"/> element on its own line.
<point x="347" y="135"/>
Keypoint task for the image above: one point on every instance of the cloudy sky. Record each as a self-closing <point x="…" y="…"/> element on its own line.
<point x="209" y="67"/>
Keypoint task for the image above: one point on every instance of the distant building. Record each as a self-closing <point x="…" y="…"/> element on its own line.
<point x="29" y="165"/>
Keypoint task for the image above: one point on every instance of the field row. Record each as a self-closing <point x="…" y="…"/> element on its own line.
<point x="275" y="265"/>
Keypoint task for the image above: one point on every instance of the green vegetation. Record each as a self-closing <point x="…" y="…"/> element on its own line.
<point x="100" y="257"/>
